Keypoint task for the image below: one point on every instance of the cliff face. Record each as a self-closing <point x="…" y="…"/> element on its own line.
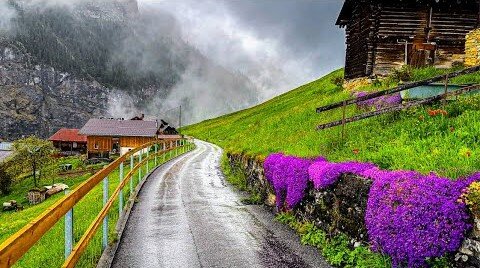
<point x="38" y="100"/>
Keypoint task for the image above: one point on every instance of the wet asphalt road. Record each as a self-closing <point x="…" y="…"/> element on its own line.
<point x="187" y="216"/>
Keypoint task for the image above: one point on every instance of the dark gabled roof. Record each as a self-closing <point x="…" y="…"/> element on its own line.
<point x="120" y="128"/>
<point x="346" y="12"/>
<point x="68" y="135"/>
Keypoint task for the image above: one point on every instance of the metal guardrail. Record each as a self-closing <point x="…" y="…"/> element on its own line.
<point x="20" y="243"/>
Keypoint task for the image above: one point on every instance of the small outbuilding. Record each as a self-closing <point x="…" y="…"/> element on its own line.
<point x="69" y="141"/>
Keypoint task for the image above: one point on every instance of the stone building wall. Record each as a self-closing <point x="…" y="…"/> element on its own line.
<point x="472" y="48"/>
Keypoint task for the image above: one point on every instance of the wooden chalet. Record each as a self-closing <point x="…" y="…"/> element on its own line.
<point x="385" y="34"/>
<point x="166" y="131"/>
<point x="105" y="136"/>
<point x="69" y="141"/>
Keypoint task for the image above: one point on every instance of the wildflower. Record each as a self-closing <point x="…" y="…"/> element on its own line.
<point x="421" y="117"/>
<point x="356" y="151"/>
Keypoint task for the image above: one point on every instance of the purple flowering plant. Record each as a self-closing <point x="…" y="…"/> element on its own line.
<point x="410" y="216"/>
<point x="378" y="102"/>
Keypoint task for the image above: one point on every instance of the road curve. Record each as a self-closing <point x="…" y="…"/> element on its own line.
<point x="187" y="216"/>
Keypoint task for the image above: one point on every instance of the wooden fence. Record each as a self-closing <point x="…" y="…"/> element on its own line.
<point x="18" y="244"/>
<point x="343" y="104"/>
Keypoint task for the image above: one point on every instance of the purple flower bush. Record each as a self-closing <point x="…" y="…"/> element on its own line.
<point x="379" y="102"/>
<point x="409" y="216"/>
<point x="412" y="217"/>
<point x="323" y="174"/>
<point x="289" y="176"/>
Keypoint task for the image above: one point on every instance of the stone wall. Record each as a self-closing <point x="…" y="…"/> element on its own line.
<point x="341" y="208"/>
<point x="472" y="48"/>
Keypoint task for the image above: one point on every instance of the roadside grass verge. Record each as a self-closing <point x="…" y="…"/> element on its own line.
<point x="411" y="139"/>
<point x="236" y="177"/>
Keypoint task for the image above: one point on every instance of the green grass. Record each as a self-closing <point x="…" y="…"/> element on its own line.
<point x="237" y="178"/>
<point x="49" y="250"/>
<point x="335" y="249"/>
<point x="405" y="140"/>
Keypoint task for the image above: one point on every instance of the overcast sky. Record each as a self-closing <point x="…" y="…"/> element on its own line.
<point x="278" y="44"/>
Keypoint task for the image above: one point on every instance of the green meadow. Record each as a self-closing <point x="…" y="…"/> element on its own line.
<point x="410" y="140"/>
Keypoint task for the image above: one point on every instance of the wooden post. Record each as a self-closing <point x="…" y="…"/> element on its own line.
<point x="105" y="220"/>
<point x="120" y="196"/>
<point x="68" y="230"/>
<point x="446" y="88"/>
<point x="343" y="119"/>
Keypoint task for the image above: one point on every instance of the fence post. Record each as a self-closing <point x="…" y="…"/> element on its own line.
<point x="68" y="230"/>
<point x="120" y="196"/>
<point x="446" y="89"/>
<point x="170" y="151"/>
<point x="164" y="147"/>
<point x="148" y="160"/>
<point x="131" y="177"/>
<point x="156" y="153"/>
<point x="105" y="220"/>
<point x="140" y="167"/>
<point x="343" y="119"/>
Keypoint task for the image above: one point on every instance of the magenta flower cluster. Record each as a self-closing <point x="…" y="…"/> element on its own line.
<point x="379" y="102"/>
<point x="410" y="216"/>
<point x="289" y="176"/>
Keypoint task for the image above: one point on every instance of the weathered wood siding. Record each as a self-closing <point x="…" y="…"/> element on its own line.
<point x="133" y="142"/>
<point x="376" y="32"/>
<point x="104" y="144"/>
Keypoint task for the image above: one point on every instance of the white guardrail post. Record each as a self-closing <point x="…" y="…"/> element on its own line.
<point x="120" y="196"/>
<point x="68" y="230"/>
<point x="105" y="220"/>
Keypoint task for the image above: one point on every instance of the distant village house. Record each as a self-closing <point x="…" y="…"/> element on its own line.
<point x="69" y="141"/>
<point x="105" y="136"/>
<point x="385" y="34"/>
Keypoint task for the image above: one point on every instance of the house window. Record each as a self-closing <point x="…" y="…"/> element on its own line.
<point x="95" y="146"/>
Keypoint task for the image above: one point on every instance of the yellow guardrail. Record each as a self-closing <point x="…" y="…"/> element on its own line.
<point x="12" y="249"/>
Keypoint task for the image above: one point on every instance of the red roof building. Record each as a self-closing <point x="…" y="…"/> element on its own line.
<point x="69" y="140"/>
<point x="68" y="135"/>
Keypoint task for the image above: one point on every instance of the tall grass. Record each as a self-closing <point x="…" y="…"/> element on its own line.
<point x="448" y="145"/>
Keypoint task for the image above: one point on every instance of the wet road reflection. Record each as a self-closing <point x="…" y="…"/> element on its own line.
<point x="187" y="216"/>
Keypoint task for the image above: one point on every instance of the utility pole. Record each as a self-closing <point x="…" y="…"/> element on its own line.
<point x="180" y="118"/>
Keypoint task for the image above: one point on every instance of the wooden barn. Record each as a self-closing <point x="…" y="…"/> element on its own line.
<point x="69" y="141"/>
<point x="386" y="34"/>
<point x="105" y="136"/>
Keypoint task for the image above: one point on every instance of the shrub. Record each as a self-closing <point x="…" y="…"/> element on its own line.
<point x="411" y="217"/>
<point x="289" y="177"/>
<point x="323" y="174"/>
<point x="5" y="180"/>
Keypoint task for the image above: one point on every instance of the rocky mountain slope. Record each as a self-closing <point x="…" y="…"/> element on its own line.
<point x="63" y="61"/>
<point x="37" y="99"/>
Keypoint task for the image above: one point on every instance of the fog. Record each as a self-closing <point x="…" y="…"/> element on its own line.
<point x="227" y="55"/>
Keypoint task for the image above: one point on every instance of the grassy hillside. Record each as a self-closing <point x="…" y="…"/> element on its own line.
<point x="448" y="145"/>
